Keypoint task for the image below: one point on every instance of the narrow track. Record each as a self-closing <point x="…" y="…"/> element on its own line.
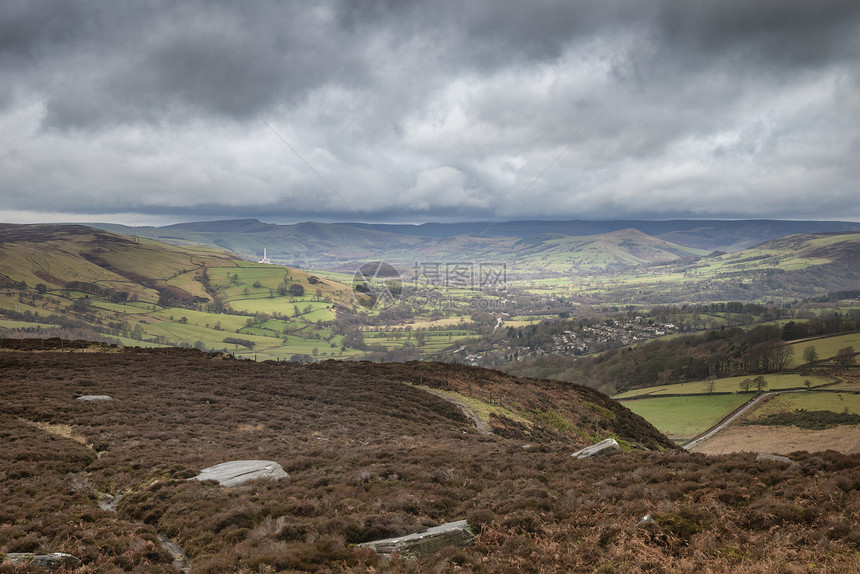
<point x="689" y="445"/>
<point x="479" y="424"/>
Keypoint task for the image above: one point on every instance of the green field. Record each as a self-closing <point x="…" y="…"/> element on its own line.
<point x="812" y="401"/>
<point x="682" y="418"/>
<point x="826" y="346"/>
<point x="729" y="384"/>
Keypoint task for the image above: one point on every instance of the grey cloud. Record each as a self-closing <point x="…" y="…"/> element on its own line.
<point x="431" y="109"/>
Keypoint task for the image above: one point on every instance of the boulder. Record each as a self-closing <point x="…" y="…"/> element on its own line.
<point x="423" y="544"/>
<point x="91" y="398"/>
<point x="238" y="471"/>
<point x="604" y="447"/>
<point x="647" y="522"/>
<point x="52" y="561"/>
<point x="773" y="458"/>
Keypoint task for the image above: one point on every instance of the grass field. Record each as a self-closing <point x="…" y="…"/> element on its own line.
<point x="812" y="401"/>
<point x="730" y="384"/>
<point x="826" y="346"/>
<point x="682" y="418"/>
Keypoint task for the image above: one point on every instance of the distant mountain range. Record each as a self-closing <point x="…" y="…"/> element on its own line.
<point x="555" y="246"/>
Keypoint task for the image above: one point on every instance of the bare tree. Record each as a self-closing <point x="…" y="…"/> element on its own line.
<point x="845" y="357"/>
<point x="810" y="354"/>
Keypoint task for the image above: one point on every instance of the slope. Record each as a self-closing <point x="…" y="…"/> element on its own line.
<point x="370" y="455"/>
<point x="345" y="247"/>
<point x="137" y="290"/>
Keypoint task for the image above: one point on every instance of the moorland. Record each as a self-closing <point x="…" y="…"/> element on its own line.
<point x="372" y="453"/>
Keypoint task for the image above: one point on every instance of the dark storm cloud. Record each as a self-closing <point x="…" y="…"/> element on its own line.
<point x="437" y="109"/>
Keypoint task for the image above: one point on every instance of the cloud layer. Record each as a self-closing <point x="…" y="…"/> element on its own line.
<point x="412" y="111"/>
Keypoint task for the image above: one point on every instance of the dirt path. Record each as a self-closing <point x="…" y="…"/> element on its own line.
<point x="479" y="424"/>
<point x="782" y="440"/>
<point x="180" y="560"/>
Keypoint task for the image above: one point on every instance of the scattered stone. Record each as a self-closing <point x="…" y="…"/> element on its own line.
<point x="109" y="502"/>
<point x="647" y="522"/>
<point x="53" y="561"/>
<point x="91" y="398"/>
<point x="773" y="458"/>
<point x="604" y="447"/>
<point x="422" y="544"/>
<point x="238" y="471"/>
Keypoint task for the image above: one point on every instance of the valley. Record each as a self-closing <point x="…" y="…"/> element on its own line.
<point x="459" y="390"/>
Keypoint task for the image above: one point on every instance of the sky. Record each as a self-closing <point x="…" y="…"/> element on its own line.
<point x="401" y="111"/>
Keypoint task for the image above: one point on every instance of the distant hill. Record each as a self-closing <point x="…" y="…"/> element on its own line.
<point x="345" y="246"/>
<point x="534" y="246"/>
<point x="709" y="235"/>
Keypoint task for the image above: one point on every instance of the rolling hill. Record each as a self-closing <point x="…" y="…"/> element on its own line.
<point x="344" y="247"/>
<point x="140" y="291"/>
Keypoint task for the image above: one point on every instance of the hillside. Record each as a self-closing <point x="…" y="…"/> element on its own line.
<point x="778" y="271"/>
<point x="345" y="247"/>
<point x="137" y="290"/>
<point x="371" y="454"/>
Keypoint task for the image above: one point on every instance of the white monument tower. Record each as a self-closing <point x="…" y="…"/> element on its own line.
<point x="265" y="259"/>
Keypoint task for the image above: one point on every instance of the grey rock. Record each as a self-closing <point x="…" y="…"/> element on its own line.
<point x="52" y="561"/>
<point x="91" y="398"/>
<point x="423" y="544"/>
<point x="604" y="447"/>
<point x="109" y="502"/>
<point x="773" y="458"/>
<point x="238" y="471"/>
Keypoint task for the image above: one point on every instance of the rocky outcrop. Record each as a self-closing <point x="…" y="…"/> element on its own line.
<point x="424" y="543"/>
<point x="238" y="471"/>
<point x="762" y="456"/>
<point x="53" y="561"/>
<point x="92" y="398"/>
<point x="604" y="447"/>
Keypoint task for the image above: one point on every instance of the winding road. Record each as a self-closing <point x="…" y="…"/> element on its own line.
<point x="734" y="416"/>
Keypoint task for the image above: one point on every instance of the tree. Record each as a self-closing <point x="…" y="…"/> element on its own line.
<point x="845" y="357"/>
<point x="709" y="386"/>
<point x="810" y="354"/>
<point x="760" y="383"/>
<point x="41" y="288"/>
<point x="745" y="385"/>
<point x="807" y="383"/>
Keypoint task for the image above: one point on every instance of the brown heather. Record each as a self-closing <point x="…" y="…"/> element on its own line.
<point x="372" y="456"/>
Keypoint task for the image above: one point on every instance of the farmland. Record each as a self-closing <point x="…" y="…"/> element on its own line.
<point x="682" y="418"/>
